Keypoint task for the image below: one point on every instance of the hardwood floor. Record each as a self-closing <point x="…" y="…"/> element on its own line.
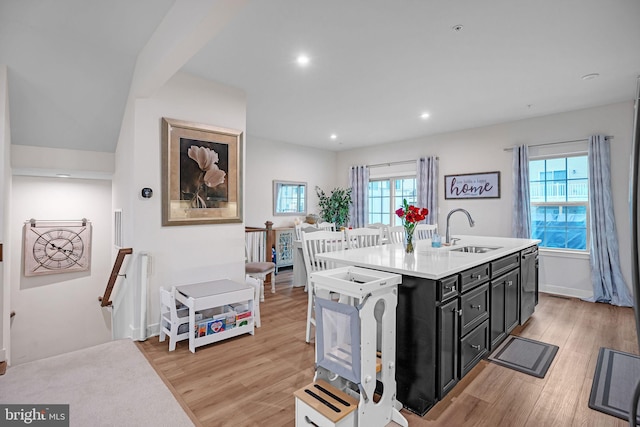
<point x="250" y="380"/>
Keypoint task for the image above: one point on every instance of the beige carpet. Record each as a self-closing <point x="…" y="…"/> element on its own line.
<point x="110" y="384"/>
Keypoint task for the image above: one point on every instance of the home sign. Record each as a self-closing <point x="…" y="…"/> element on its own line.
<point x="485" y="185"/>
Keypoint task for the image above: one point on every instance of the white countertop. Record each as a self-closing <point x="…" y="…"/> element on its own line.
<point x="428" y="262"/>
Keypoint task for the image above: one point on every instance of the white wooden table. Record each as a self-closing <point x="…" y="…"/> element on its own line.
<point x="218" y="293"/>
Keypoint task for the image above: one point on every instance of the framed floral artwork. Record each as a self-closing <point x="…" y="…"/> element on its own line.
<point x="202" y="173"/>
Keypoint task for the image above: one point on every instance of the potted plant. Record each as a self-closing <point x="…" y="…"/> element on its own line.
<point x="335" y="207"/>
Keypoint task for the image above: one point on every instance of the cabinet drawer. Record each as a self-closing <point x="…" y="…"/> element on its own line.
<point x="505" y="264"/>
<point x="474" y="306"/>
<point x="473" y="277"/>
<point x="447" y="288"/>
<point x="474" y="347"/>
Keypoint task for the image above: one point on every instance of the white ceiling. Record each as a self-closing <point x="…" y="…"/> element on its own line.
<point x="376" y="65"/>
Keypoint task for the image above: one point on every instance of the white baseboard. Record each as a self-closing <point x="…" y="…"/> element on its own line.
<point x="153" y="329"/>
<point x="565" y="292"/>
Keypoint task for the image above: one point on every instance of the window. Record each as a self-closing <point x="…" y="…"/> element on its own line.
<point x="559" y="191"/>
<point x="385" y="196"/>
<point x="289" y="198"/>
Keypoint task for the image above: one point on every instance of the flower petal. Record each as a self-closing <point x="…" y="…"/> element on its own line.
<point x="214" y="177"/>
<point x="205" y="157"/>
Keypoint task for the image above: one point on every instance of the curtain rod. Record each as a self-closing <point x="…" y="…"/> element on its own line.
<point x="403" y="162"/>
<point x="557" y="142"/>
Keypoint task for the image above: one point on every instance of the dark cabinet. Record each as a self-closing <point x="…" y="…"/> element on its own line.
<point x="512" y="300"/>
<point x="446" y="326"/>
<point x="504" y="306"/>
<point x="469" y="279"/>
<point x="474" y="306"/>
<point x="448" y="340"/>
<point x="498" y="331"/>
<point x="448" y="287"/>
<point x="416" y="341"/>
<point x="474" y="347"/>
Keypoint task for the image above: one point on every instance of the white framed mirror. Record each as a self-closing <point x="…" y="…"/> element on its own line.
<point x="289" y="198"/>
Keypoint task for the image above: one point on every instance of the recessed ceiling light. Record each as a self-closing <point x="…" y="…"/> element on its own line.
<point x="457" y="27"/>
<point x="333" y="136"/>
<point x="63" y="175"/>
<point x="424" y="115"/>
<point x="302" y="60"/>
<point x="590" y="76"/>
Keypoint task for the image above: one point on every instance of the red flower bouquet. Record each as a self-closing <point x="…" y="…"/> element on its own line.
<point x="411" y="216"/>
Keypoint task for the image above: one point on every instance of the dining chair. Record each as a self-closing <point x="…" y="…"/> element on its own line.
<point x="395" y="234"/>
<point x="382" y="227"/>
<point x="171" y="319"/>
<point x="425" y="231"/>
<point x="257" y="285"/>
<point x="327" y="226"/>
<point x="312" y="245"/>
<point x="304" y="228"/>
<point x="255" y="264"/>
<point x="363" y="237"/>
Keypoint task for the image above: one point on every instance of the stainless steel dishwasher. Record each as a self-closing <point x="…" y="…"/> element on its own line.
<point x="529" y="283"/>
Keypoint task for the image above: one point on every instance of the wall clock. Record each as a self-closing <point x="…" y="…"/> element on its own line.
<point x="56" y="247"/>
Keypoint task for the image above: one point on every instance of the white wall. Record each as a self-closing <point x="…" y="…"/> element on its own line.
<point x="482" y="150"/>
<point x="59" y="313"/>
<point x="179" y="254"/>
<point x="272" y="160"/>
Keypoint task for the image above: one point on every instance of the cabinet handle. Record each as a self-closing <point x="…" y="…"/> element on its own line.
<point x="450" y="288"/>
<point x="460" y="312"/>
<point x="477" y="307"/>
<point x="475" y="347"/>
<point x="510" y="282"/>
<point x="477" y="276"/>
<point x="306" y="418"/>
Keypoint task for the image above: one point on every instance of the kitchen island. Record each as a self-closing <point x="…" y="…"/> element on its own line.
<point x="454" y="306"/>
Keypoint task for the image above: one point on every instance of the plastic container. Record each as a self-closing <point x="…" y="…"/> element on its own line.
<point x="436" y="240"/>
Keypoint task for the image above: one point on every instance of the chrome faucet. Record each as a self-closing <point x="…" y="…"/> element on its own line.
<point x="448" y="233"/>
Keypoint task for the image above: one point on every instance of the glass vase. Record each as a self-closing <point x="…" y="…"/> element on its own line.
<point x="408" y="241"/>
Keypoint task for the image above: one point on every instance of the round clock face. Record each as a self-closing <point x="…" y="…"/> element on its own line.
<point x="56" y="249"/>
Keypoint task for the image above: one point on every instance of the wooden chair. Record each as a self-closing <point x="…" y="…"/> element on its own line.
<point x="312" y="245"/>
<point x="327" y="226"/>
<point x="255" y="264"/>
<point x="259" y="287"/>
<point x="363" y="237"/>
<point x="171" y="319"/>
<point x="382" y="227"/>
<point x="395" y="234"/>
<point x="304" y="228"/>
<point x="425" y="231"/>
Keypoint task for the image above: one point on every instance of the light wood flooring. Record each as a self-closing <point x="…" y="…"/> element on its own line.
<point x="250" y="380"/>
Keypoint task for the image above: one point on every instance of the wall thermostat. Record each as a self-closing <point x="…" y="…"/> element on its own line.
<point x="147" y="193"/>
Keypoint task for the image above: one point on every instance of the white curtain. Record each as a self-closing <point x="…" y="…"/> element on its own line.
<point x="427" y="178"/>
<point x="521" y="222"/>
<point x="606" y="275"/>
<point x="359" y="209"/>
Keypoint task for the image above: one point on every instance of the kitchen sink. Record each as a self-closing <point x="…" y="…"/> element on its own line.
<point x="475" y="249"/>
